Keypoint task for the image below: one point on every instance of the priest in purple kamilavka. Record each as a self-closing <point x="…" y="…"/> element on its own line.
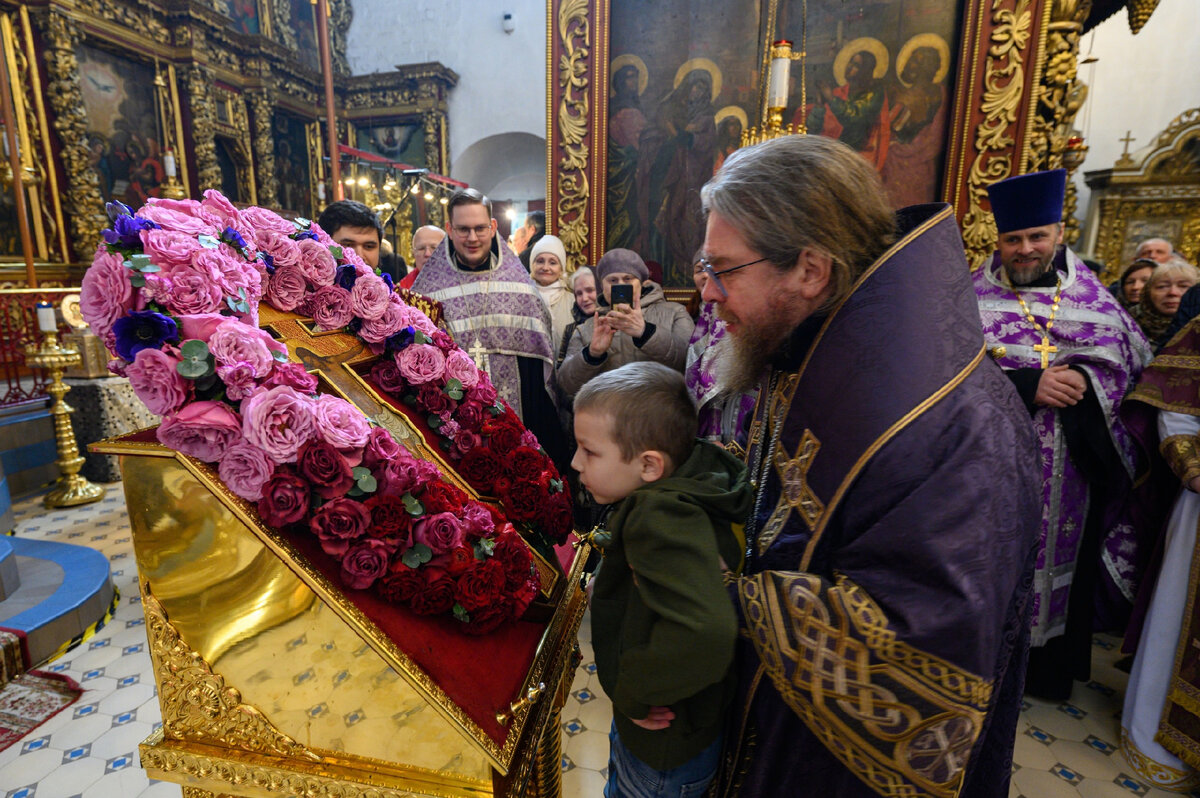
<point x="1072" y="353"/>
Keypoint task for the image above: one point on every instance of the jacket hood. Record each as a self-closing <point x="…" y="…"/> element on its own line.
<point x="715" y="480"/>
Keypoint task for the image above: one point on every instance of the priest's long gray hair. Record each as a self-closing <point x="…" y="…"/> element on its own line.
<point x="797" y="192"/>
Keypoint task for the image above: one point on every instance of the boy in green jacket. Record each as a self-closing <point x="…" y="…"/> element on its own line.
<point x="663" y="626"/>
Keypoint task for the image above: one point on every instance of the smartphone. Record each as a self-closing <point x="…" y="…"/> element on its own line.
<point x="621" y="295"/>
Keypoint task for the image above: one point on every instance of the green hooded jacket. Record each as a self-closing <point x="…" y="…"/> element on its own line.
<point x="663" y="625"/>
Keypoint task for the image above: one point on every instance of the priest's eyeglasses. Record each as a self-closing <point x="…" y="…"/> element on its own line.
<point x="480" y="231"/>
<point x="715" y="275"/>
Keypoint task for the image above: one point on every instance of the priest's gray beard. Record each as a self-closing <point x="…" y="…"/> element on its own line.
<point x="747" y="353"/>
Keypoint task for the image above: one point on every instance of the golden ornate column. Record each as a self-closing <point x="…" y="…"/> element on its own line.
<point x="200" y="100"/>
<point x="84" y="204"/>
<point x="262" y="115"/>
<point x="435" y="149"/>
<point x="1060" y="95"/>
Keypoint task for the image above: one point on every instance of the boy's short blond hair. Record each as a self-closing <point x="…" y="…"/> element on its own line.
<point x="650" y="407"/>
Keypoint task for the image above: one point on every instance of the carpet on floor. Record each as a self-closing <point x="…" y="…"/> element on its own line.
<point x="30" y="700"/>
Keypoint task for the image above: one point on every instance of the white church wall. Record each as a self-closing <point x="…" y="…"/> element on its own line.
<point x="502" y="76"/>
<point x="1139" y="84"/>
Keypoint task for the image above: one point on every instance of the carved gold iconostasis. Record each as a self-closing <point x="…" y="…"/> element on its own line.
<point x="646" y="100"/>
<point x="131" y="99"/>
<point x="1152" y="193"/>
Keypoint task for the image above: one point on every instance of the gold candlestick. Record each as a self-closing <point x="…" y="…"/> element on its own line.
<point x="71" y="488"/>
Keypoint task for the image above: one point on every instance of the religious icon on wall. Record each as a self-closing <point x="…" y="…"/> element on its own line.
<point x="243" y="14"/>
<point x="291" y="164"/>
<point x="673" y="120"/>
<point x="877" y="80"/>
<point x="396" y="141"/>
<point x="303" y="26"/>
<point x="124" y="143"/>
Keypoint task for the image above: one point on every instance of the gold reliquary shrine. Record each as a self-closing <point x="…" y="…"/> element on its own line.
<point x="275" y="680"/>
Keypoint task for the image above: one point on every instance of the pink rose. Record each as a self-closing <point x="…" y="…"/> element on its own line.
<point x="169" y="250"/>
<point x="364" y="563"/>
<point x="460" y="366"/>
<point x="369" y="297"/>
<point x="233" y="343"/>
<point x="330" y="306"/>
<point x="239" y="380"/>
<point x="421" y="363"/>
<point x="216" y="202"/>
<point x="106" y="294"/>
<point x="194" y="290"/>
<point x="404" y="475"/>
<point x="172" y="219"/>
<point x="153" y="377"/>
<point x="157" y="289"/>
<point x="483" y="392"/>
<point x="476" y="520"/>
<point x="245" y="469"/>
<point x="286" y="288"/>
<point x="381" y="447"/>
<point x="293" y="375"/>
<point x="283" y="250"/>
<point x="321" y="235"/>
<point x="200" y="326"/>
<point x="441" y="532"/>
<point x="229" y="272"/>
<point x="203" y="430"/>
<point x="342" y="426"/>
<point x="261" y="219"/>
<point x="279" y="421"/>
<point x="380" y="329"/>
<point x="316" y="262"/>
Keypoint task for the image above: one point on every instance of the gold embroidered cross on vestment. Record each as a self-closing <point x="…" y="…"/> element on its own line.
<point x="793" y="477"/>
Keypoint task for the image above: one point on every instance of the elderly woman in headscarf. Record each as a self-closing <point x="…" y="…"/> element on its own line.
<point x="583" y="286"/>
<point x="1161" y="295"/>
<point x="547" y="263"/>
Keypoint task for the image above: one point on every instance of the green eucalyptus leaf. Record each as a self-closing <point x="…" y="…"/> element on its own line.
<point x="139" y="262"/>
<point x="360" y="471"/>
<point x="460" y="614"/>
<point x="484" y="548"/>
<point x="280" y="356"/>
<point x="367" y="484"/>
<point x="137" y="279"/>
<point x="207" y="241"/>
<point x="191" y="369"/>
<point x="194" y="349"/>
<point x="433" y="421"/>
<point x="355" y="492"/>
<point x="410" y="559"/>
<point x="556" y="486"/>
<point x="336" y="251"/>
<point x="414" y="507"/>
<point x="423" y="552"/>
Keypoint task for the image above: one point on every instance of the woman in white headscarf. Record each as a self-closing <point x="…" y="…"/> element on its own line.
<point x="547" y="264"/>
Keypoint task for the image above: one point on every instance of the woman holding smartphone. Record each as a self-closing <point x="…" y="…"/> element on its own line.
<point x="633" y="321"/>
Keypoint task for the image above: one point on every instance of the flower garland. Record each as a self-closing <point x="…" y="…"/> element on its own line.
<point x="174" y="292"/>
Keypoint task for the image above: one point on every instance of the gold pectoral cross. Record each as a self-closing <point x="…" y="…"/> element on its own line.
<point x="1045" y="348"/>
<point x="479" y="355"/>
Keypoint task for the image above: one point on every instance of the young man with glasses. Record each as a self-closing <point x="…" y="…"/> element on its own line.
<point x="494" y="312"/>
<point x="884" y="604"/>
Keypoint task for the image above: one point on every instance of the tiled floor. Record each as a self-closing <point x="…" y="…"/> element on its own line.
<point x="90" y="750"/>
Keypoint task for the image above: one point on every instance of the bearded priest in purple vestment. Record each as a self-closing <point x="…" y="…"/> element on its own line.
<point x="884" y="601"/>
<point x="495" y="313"/>
<point x="1072" y="353"/>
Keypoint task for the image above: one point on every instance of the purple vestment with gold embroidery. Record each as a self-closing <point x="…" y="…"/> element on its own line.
<point x="1094" y="334"/>
<point x="885" y="600"/>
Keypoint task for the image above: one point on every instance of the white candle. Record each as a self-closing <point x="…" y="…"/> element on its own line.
<point x="781" y="73"/>
<point x="45" y="317"/>
<point x="321" y="191"/>
<point x="169" y="164"/>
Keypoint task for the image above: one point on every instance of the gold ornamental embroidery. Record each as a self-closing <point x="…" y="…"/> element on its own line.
<point x="1182" y="453"/>
<point x="197" y="704"/>
<point x="903" y="720"/>
<point x="793" y="477"/>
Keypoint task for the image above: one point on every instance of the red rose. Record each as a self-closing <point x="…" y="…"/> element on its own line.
<point x="470" y="415"/>
<point x="443" y="341"/>
<point x="466" y="441"/>
<point x="556" y="517"/>
<point x="504" y="432"/>
<point x="524" y="500"/>
<point x="386" y="374"/>
<point x="523" y="596"/>
<point x="526" y="462"/>
<point x="501" y="486"/>
<point x="480" y="585"/>
<point x="514" y="557"/>
<point x="400" y="584"/>
<point x="442" y="497"/>
<point x="325" y="468"/>
<point x="389" y="518"/>
<point x="339" y="522"/>
<point x="284" y="500"/>
<point x="483" y="392"/>
<point x="432" y="400"/>
<point x="481" y="466"/>
<point x="485" y="619"/>
<point x="364" y="563"/>
<point x="381" y="447"/>
<point x="456" y="561"/>
<point x="436" y="595"/>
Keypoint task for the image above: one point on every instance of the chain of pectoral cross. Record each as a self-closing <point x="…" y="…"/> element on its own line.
<point x="1045" y="348"/>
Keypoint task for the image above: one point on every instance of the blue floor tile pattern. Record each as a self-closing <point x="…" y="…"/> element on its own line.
<point x="1064" y="749"/>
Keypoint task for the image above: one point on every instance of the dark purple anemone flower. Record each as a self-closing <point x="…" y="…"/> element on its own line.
<point x="140" y="330"/>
